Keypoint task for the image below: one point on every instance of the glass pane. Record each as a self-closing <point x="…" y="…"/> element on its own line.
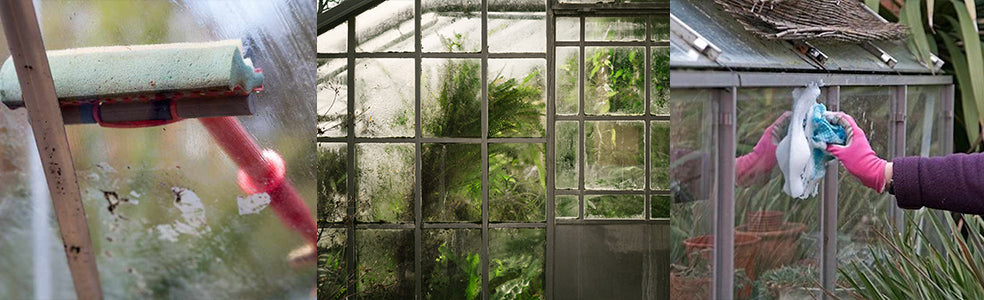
<point x="615" y="29"/>
<point x="614" y="207"/>
<point x="861" y="211"/>
<point x="614" y="80"/>
<point x="693" y="150"/>
<point x="332" y="270"/>
<point x="386" y="174"/>
<point x="567" y="151"/>
<point x="923" y="123"/>
<point x="452" y="265"/>
<point x="517" y="26"/>
<point x="659" y="206"/>
<point x="163" y="203"/>
<point x="452" y="97"/>
<point x="614" y="155"/>
<point x="566" y="206"/>
<point x="452" y="182"/>
<point x="516" y="263"/>
<point x="384" y="97"/>
<point x="385" y="263"/>
<point x="335" y="40"/>
<point x="659" y="156"/>
<point x="568" y="29"/>
<point x="568" y="80"/>
<point x="451" y="25"/>
<point x="660" y="28"/>
<point x="659" y="91"/>
<point x="332" y="171"/>
<point x="332" y="98"/>
<point x="517" y="97"/>
<point x="612" y="262"/>
<point x="775" y="232"/>
<point x="516" y="182"/>
<point x="388" y="27"/>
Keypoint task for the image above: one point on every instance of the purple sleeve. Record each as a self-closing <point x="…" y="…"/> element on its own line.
<point x="954" y="182"/>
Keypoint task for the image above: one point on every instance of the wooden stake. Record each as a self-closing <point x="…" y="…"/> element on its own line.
<point x="20" y="24"/>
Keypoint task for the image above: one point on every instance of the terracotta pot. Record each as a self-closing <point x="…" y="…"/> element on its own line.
<point x="745" y="245"/>
<point x="763" y="220"/>
<point x="698" y="288"/>
<point x="777" y="247"/>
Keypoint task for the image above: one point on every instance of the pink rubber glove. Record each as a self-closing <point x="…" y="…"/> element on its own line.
<point x="751" y="166"/>
<point x="856" y="155"/>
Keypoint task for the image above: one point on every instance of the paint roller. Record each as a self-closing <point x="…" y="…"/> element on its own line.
<point x="152" y="85"/>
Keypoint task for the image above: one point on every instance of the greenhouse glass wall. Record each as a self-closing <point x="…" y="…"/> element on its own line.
<point x="166" y="216"/>
<point x="729" y="86"/>
<point x="493" y="149"/>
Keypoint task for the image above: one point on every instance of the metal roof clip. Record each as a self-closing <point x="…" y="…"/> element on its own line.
<point x="881" y="54"/>
<point x="694" y="39"/>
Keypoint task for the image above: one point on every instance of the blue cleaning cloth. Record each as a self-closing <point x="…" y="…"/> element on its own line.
<point x="824" y="133"/>
<point x="802" y="153"/>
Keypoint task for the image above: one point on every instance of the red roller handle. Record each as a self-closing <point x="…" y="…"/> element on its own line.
<point x="262" y="171"/>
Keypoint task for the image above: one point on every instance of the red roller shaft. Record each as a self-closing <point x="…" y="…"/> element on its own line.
<point x="262" y="171"/>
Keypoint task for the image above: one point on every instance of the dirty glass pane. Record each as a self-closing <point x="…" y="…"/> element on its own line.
<point x="384" y="97"/>
<point x="615" y="82"/>
<point x="566" y="206"/>
<point x="614" y="155"/>
<point x="861" y="211"/>
<point x="385" y="182"/>
<point x="332" y="97"/>
<point x="451" y="25"/>
<point x="659" y="206"/>
<point x="776" y="234"/>
<point x="451" y="98"/>
<point x="660" y="28"/>
<point x="332" y="272"/>
<point x="452" y="265"/>
<point x="385" y="263"/>
<point x="659" y="156"/>
<point x="335" y="40"/>
<point x="516" y="182"/>
<point x="568" y="80"/>
<point x="659" y="91"/>
<point x="693" y="150"/>
<point x="517" y="97"/>
<point x="388" y="27"/>
<point x="566" y="149"/>
<point x="165" y="213"/>
<point x="615" y="29"/>
<point x="630" y="263"/>
<point x="614" y="207"/>
<point x="516" y="263"/>
<point x="332" y="171"/>
<point x="517" y="26"/>
<point x="568" y="29"/>
<point x="452" y="182"/>
<point x="924" y="125"/>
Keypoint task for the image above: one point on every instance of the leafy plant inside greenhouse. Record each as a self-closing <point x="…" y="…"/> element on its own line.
<point x="452" y="190"/>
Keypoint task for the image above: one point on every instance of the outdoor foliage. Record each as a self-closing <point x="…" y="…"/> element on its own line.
<point x="934" y="257"/>
<point x="950" y="29"/>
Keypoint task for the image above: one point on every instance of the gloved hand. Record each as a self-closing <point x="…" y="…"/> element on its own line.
<point x="762" y="159"/>
<point x="856" y="154"/>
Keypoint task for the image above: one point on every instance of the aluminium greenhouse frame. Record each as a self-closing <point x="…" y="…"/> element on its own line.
<point x="553" y="9"/>
<point x="727" y="84"/>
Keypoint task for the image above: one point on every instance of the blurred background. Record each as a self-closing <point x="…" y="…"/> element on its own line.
<point x="147" y="244"/>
